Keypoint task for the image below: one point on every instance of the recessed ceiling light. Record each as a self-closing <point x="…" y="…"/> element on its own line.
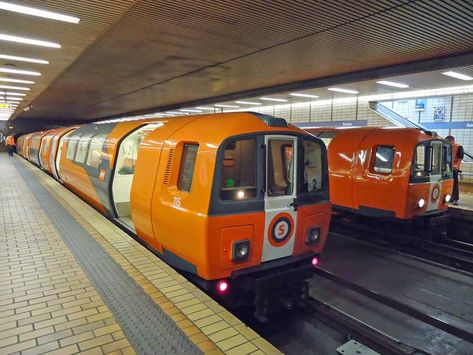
<point x="37" y="12"/>
<point x="248" y="103"/>
<point x="9" y="93"/>
<point x="205" y="108"/>
<point x="303" y="95"/>
<point x="23" y="59"/>
<point x="392" y="83"/>
<point x="346" y="91"/>
<point x="273" y="99"/>
<point x="229" y="106"/>
<point x="14" y="87"/>
<point x="190" y="110"/>
<point x="17" y="81"/>
<point x="34" y="42"/>
<point x="457" y="75"/>
<point x="21" y="72"/>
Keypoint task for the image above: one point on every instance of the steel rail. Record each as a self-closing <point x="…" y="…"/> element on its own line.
<point x="399" y="306"/>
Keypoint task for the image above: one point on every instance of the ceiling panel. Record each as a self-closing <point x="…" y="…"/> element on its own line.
<point x="159" y="53"/>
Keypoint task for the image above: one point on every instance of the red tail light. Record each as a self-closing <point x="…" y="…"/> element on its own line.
<point x="222" y="287"/>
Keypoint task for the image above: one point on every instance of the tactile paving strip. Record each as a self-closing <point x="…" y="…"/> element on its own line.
<point x="147" y="327"/>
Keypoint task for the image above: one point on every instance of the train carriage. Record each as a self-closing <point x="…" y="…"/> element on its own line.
<point x="237" y="201"/>
<point x="401" y="174"/>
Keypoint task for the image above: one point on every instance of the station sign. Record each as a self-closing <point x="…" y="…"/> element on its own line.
<point x="321" y="124"/>
<point x="4" y="105"/>
<point x="448" y="125"/>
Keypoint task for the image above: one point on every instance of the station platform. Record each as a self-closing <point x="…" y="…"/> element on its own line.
<point x="71" y="281"/>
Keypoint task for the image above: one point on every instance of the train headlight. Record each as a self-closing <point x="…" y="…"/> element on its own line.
<point x="421" y="203"/>
<point x="241" y="250"/>
<point x="240" y="195"/>
<point x="313" y="236"/>
<point x="447" y="198"/>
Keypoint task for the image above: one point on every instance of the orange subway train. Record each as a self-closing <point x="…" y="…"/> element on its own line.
<point x="239" y="202"/>
<point x="398" y="174"/>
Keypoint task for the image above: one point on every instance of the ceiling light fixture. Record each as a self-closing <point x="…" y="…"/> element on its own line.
<point x="14" y="87"/>
<point x="14" y="98"/>
<point x="205" y="108"/>
<point x="304" y="95"/>
<point x="392" y="83"/>
<point x="190" y="110"/>
<point x="9" y="93"/>
<point x="229" y="106"/>
<point x="456" y="75"/>
<point x="37" y="12"/>
<point x="17" y="81"/>
<point x="174" y="112"/>
<point x="20" y="72"/>
<point x="248" y="103"/>
<point x="272" y="99"/>
<point x="346" y="91"/>
<point x="34" y="42"/>
<point x="23" y="59"/>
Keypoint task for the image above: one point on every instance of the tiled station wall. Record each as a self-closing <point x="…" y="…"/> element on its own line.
<point x="457" y="108"/>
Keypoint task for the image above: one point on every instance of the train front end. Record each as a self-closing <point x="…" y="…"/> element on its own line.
<point x="268" y="218"/>
<point x="430" y="187"/>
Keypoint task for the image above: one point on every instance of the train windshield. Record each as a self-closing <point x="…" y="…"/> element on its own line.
<point x="432" y="158"/>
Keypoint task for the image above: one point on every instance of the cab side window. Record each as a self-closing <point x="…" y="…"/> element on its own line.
<point x="239" y="170"/>
<point x="186" y="169"/>
<point x="384" y="160"/>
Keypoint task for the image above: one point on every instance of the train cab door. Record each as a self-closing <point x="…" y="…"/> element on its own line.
<point x="280" y="195"/>
<point x="435" y="157"/>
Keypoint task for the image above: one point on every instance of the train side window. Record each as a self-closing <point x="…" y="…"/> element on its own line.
<point x="384" y="160"/>
<point x="186" y="169"/>
<point x="82" y="149"/>
<point x="94" y="158"/>
<point x="71" y="147"/>
<point x="239" y="170"/>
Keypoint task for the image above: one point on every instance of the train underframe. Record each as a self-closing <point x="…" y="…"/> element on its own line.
<point x="270" y="287"/>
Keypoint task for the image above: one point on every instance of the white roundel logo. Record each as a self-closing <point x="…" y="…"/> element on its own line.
<point x="435" y="193"/>
<point x="282" y="230"/>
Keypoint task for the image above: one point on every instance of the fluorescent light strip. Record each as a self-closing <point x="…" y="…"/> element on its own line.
<point x="23" y="59"/>
<point x="205" y="108"/>
<point x="9" y="93"/>
<point x="20" y="72"/>
<point x="392" y="83"/>
<point x="14" y="98"/>
<point x="17" y="81"/>
<point x="37" y="12"/>
<point x="229" y="106"/>
<point x="24" y="40"/>
<point x="189" y="110"/>
<point x="304" y="95"/>
<point x="174" y="112"/>
<point x="248" y="103"/>
<point x="14" y="87"/>
<point x="457" y="75"/>
<point x="346" y="91"/>
<point x="272" y="99"/>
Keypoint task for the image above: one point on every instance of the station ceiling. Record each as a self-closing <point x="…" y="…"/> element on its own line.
<point x="127" y="56"/>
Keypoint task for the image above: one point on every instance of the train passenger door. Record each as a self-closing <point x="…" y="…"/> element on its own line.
<point x="57" y="170"/>
<point x="125" y="171"/>
<point x="280" y="195"/>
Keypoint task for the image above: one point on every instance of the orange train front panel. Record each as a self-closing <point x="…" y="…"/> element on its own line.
<point x="212" y="191"/>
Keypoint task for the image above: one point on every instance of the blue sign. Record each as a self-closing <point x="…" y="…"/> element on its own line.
<point x="448" y="125"/>
<point x="420" y="105"/>
<point x="318" y="124"/>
